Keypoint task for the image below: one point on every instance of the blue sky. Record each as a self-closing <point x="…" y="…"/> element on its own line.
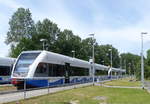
<point x="116" y="22"/>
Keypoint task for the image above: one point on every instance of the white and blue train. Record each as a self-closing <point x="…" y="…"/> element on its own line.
<point x="43" y="68"/>
<point x="6" y="65"/>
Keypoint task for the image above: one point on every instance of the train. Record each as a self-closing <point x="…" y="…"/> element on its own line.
<point x="44" y="68"/>
<point x="6" y="65"/>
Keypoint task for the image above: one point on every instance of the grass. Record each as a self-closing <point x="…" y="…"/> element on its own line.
<point x="93" y="95"/>
<point x="124" y="82"/>
<point x="7" y="88"/>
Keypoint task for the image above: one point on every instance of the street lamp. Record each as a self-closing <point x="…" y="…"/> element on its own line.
<point x="120" y="62"/>
<point x="142" y="61"/>
<point x="93" y="68"/>
<point x="102" y="62"/>
<point x="125" y="66"/>
<point x="110" y="50"/>
<point x="43" y="40"/>
<point x="73" y="52"/>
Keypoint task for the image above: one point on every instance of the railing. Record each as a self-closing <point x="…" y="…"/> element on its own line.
<point x="25" y="86"/>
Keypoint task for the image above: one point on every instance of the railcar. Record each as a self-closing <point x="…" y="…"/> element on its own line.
<point x="43" y="68"/>
<point x="6" y="65"/>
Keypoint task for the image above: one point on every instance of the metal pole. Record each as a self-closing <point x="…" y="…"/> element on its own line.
<point x="93" y="61"/>
<point x="111" y="58"/>
<point x="111" y="61"/>
<point x="48" y="85"/>
<point x="44" y="42"/>
<point x="73" y="53"/>
<point x="43" y="45"/>
<point x="142" y="62"/>
<point x="93" y="68"/>
<point x="125" y="67"/>
<point x="120" y="62"/>
<point x="24" y="88"/>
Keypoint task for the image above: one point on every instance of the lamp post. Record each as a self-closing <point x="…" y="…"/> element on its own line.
<point x="102" y="62"/>
<point x="120" y="62"/>
<point x="142" y="60"/>
<point x="43" y="40"/>
<point x="93" y="68"/>
<point x="73" y="53"/>
<point x="110" y="60"/>
<point x="125" y="67"/>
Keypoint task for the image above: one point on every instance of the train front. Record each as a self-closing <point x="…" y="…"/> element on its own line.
<point x="22" y="68"/>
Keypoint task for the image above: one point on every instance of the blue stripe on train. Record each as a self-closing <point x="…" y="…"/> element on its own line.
<point x="43" y="83"/>
<point x="1" y="78"/>
<point x="58" y="82"/>
<point x="37" y="83"/>
<point x="83" y="80"/>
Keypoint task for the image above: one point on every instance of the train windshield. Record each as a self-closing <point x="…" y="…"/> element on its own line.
<point x="24" y="61"/>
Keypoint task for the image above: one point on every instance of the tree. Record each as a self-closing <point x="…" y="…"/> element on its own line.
<point x="147" y="65"/>
<point x="131" y="63"/>
<point x="24" y="45"/>
<point x="21" y="26"/>
<point x="67" y="41"/>
<point x="49" y="31"/>
<point x="148" y="57"/>
<point x="103" y="54"/>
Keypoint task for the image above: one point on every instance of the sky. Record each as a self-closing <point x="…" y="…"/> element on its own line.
<point x="116" y="22"/>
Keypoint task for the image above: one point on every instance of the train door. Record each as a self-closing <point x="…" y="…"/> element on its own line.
<point x="67" y="73"/>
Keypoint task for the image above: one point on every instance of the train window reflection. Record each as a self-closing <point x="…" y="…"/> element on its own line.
<point x="25" y="60"/>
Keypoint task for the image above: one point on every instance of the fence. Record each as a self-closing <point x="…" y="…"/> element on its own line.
<point x="45" y="86"/>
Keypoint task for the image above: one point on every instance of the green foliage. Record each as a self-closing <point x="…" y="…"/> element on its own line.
<point x="103" y="55"/>
<point x="148" y="57"/>
<point x="131" y="63"/>
<point x="66" y="42"/>
<point x="21" y="26"/>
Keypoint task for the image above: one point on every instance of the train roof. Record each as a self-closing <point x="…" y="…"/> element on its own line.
<point x="101" y="67"/>
<point x="118" y="70"/>
<point x="67" y="59"/>
<point x="6" y="61"/>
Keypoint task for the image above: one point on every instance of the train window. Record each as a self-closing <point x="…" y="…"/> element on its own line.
<point x="56" y="70"/>
<point x="76" y="71"/>
<point x="41" y="70"/>
<point x="28" y="56"/>
<point x="25" y="60"/>
<point x="49" y="70"/>
<point x="5" y="70"/>
<point x="100" y="72"/>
